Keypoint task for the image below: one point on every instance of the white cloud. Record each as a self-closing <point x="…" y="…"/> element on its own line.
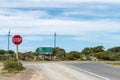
<point x="60" y="1"/>
<point x="49" y="3"/>
<point x="89" y="13"/>
<point x="36" y="38"/>
<point x="32" y="38"/>
<point x="26" y="17"/>
<point x="19" y="13"/>
<point x="49" y="26"/>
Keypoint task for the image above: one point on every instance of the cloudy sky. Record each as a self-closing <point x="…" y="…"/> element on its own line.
<point x="77" y="23"/>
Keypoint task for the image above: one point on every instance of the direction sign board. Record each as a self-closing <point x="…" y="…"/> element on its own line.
<point x="17" y="39"/>
<point x="45" y="50"/>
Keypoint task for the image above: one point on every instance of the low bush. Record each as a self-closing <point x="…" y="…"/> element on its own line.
<point x="12" y="65"/>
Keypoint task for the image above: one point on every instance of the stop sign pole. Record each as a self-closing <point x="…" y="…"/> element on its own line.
<point x="17" y="40"/>
<point x="17" y="52"/>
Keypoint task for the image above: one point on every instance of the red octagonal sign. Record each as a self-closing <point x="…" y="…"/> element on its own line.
<point x="17" y="39"/>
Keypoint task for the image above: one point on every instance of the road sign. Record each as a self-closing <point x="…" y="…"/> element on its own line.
<point x="17" y="39"/>
<point x="45" y="50"/>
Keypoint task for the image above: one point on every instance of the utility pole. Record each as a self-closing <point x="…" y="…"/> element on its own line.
<point x="55" y="40"/>
<point x="8" y="41"/>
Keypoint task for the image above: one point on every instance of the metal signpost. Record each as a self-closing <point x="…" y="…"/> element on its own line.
<point x="17" y="40"/>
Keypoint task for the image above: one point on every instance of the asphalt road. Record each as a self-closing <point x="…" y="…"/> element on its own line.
<point x="75" y="70"/>
<point x="101" y="69"/>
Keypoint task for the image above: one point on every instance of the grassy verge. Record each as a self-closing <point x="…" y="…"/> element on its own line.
<point x="114" y="64"/>
<point x="12" y="66"/>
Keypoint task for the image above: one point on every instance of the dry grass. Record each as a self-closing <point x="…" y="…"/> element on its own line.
<point x="116" y="64"/>
<point x="27" y="74"/>
<point x="113" y="63"/>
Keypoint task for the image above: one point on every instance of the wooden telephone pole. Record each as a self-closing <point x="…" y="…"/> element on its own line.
<point x="8" y="41"/>
<point x="55" y="40"/>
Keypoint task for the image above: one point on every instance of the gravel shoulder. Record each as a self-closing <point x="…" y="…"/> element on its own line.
<point x="28" y="74"/>
<point x="58" y="71"/>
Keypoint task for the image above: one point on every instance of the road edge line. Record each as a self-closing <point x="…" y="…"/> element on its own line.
<point x="91" y="73"/>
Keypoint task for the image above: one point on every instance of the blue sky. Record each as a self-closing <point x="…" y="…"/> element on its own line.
<point x="78" y="23"/>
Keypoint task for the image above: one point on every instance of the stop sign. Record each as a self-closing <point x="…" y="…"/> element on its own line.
<point x="17" y="39"/>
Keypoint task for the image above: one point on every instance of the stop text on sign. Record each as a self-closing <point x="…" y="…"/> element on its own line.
<point x="17" y="39"/>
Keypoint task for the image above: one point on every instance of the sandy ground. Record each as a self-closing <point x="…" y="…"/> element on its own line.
<point x="28" y="74"/>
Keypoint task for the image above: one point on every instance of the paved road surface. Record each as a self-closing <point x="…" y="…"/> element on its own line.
<point x="62" y="71"/>
<point x="110" y="72"/>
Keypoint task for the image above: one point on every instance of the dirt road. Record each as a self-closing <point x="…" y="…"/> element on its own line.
<point x="58" y="71"/>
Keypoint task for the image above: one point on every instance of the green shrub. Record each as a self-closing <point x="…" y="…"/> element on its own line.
<point x="73" y="55"/>
<point x="12" y="65"/>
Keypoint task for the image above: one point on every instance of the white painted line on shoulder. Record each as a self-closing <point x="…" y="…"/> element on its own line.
<point x="90" y="73"/>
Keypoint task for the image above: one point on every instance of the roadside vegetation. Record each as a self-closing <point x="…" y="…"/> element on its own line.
<point x="114" y="63"/>
<point x="12" y="65"/>
<point x="97" y="53"/>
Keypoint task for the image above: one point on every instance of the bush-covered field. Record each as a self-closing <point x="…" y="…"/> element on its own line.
<point x="97" y="53"/>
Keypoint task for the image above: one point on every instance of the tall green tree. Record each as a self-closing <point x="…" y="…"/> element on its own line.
<point x="97" y="49"/>
<point x="58" y="52"/>
<point x="73" y="55"/>
<point x="89" y="50"/>
<point x="114" y="49"/>
<point x="2" y="52"/>
<point x="86" y="51"/>
<point x="11" y="52"/>
<point x="37" y="50"/>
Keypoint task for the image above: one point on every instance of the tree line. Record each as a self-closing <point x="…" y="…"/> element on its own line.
<point x="88" y="53"/>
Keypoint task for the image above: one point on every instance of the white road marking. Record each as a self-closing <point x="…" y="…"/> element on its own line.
<point x="91" y="73"/>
